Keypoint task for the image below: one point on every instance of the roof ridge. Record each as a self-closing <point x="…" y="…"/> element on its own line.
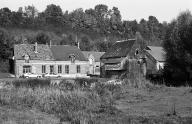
<point x="125" y="40"/>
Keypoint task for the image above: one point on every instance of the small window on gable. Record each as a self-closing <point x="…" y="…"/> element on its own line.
<point x="91" y="61"/>
<point x="26" y="58"/>
<point x="72" y="58"/>
<point x="136" y="51"/>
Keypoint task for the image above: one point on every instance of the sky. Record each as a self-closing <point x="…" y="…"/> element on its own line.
<point x="163" y="10"/>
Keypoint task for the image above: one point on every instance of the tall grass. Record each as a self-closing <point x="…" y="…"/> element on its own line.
<point x="68" y="105"/>
<point x="31" y="83"/>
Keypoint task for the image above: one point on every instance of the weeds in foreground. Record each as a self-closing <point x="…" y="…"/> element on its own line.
<point x="79" y="104"/>
<point x="68" y="105"/>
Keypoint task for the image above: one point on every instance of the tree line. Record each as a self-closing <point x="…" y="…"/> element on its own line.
<point x="99" y="20"/>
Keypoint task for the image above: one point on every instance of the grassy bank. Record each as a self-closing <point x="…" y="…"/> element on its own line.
<point x="76" y="101"/>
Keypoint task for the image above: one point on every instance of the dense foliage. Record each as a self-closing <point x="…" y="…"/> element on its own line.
<point x="87" y="26"/>
<point x="177" y="44"/>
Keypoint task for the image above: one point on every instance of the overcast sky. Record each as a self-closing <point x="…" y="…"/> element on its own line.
<point x="163" y="10"/>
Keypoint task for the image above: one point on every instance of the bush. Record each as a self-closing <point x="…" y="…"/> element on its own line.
<point x="31" y="83"/>
<point x="85" y="82"/>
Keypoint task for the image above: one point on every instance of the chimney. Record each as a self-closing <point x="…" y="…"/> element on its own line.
<point x="78" y="45"/>
<point x="35" y="47"/>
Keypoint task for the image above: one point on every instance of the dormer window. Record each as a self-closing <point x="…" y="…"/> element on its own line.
<point x="136" y="52"/>
<point x="91" y="59"/>
<point x="26" y="58"/>
<point x="72" y="58"/>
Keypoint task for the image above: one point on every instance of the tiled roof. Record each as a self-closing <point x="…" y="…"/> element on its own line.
<point x="157" y="53"/>
<point x="63" y="53"/>
<point x="43" y="52"/>
<point x="119" y="49"/>
<point x="112" y="60"/>
<point x="96" y="55"/>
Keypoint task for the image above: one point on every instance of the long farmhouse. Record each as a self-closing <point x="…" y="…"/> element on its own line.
<point x="55" y="59"/>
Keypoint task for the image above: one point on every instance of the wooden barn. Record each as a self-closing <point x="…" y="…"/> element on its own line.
<point x="115" y="61"/>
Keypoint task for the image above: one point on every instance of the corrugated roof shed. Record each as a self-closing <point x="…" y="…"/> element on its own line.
<point x="119" y="49"/>
<point x="157" y="53"/>
<point x="96" y="55"/>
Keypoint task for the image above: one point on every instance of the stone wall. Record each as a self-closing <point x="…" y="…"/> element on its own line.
<point x="37" y="66"/>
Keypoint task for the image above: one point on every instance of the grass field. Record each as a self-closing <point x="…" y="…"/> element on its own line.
<point x="104" y="104"/>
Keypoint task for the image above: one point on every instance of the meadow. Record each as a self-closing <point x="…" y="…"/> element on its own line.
<point x="78" y="101"/>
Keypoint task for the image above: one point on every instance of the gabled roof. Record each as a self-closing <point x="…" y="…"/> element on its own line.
<point x="96" y="55"/>
<point x="63" y="52"/>
<point x="119" y="49"/>
<point x="113" y="60"/>
<point x="157" y="53"/>
<point x="44" y="52"/>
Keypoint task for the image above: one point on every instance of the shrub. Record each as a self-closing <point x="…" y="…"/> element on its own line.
<point x="31" y="83"/>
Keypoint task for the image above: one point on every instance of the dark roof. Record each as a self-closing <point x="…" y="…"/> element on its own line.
<point x="112" y="60"/>
<point x="157" y="53"/>
<point x="119" y="49"/>
<point x="43" y="52"/>
<point x="63" y="53"/>
<point x="96" y="55"/>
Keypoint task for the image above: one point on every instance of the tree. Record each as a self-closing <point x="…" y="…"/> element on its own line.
<point x="153" y="27"/>
<point x="4" y="44"/>
<point x="102" y="17"/>
<point x="144" y="29"/>
<point x="115" y="21"/>
<point x="30" y="14"/>
<point x="5" y="17"/>
<point x="85" y="44"/>
<point x="177" y="44"/>
<point x="17" y="18"/>
<point x="140" y="41"/>
<point x="54" y="15"/>
<point x="42" y="38"/>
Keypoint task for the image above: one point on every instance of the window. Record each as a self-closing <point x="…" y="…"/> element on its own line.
<point x="67" y="69"/>
<point x="59" y="68"/>
<point x="136" y="52"/>
<point x="72" y="58"/>
<point x="51" y="69"/>
<point x="91" y="61"/>
<point x="78" y="69"/>
<point x="26" y="57"/>
<point x="43" y="69"/>
<point x="26" y="69"/>
<point x="97" y="69"/>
